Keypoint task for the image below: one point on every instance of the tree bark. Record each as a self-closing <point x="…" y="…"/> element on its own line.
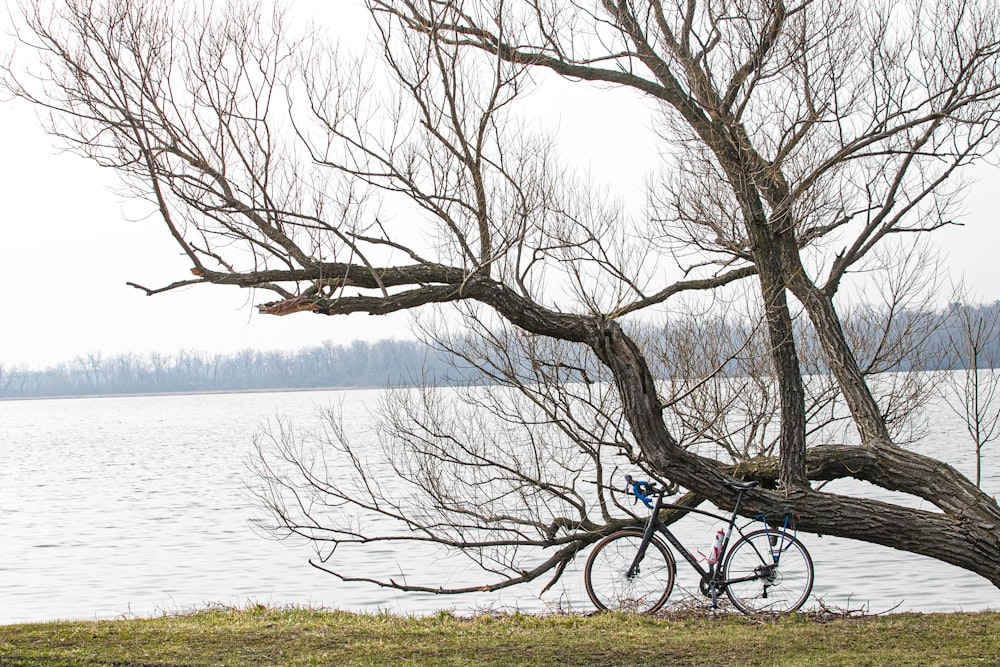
<point x="786" y="366"/>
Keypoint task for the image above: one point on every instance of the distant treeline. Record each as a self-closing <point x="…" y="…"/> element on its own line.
<point x="360" y="364"/>
<point x="408" y="362"/>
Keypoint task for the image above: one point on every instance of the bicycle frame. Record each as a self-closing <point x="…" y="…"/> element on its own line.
<point x="711" y="584"/>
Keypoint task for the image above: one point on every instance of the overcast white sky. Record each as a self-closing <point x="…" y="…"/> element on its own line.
<point x="67" y="248"/>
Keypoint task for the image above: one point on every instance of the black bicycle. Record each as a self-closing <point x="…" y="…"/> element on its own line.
<point x="765" y="571"/>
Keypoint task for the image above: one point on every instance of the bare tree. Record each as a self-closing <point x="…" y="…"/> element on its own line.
<point x="796" y="139"/>
<point x="516" y="467"/>
<point x="973" y="390"/>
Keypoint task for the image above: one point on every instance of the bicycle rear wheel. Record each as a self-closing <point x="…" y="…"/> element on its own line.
<point x="757" y="583"/>
<point x="610" y="587"/>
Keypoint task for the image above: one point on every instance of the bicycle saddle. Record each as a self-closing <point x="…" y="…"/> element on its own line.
<point x="742" y="486"/>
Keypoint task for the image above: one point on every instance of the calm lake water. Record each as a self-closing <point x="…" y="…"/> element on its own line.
<point x="136" y="506"/>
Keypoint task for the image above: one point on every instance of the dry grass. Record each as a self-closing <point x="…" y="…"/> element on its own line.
<point x="261" y="636"/>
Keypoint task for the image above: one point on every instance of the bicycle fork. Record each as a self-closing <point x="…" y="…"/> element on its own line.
<point x="647" y="537"/>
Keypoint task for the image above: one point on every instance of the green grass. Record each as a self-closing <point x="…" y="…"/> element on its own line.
<point x="259" y="636"/>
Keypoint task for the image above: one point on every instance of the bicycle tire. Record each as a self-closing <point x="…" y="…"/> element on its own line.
<point x="783" y="589"/>
<point x="609" y="587"/>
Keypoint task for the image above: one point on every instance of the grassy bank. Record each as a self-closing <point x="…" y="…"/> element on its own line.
<point x="299" y="637"/>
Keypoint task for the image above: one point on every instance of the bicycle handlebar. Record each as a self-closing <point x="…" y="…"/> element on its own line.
<point x="642" y="490"/>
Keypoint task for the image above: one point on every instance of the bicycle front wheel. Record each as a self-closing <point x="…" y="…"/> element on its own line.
<point x="767" y="572"/>
<point x="611" y="587"/>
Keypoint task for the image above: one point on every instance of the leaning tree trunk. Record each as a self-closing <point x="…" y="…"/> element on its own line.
<point x="819" y="305"/>
<point x="966" y="533"/>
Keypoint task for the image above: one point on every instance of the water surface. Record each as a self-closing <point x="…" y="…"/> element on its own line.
<point x="122" y="506"/>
